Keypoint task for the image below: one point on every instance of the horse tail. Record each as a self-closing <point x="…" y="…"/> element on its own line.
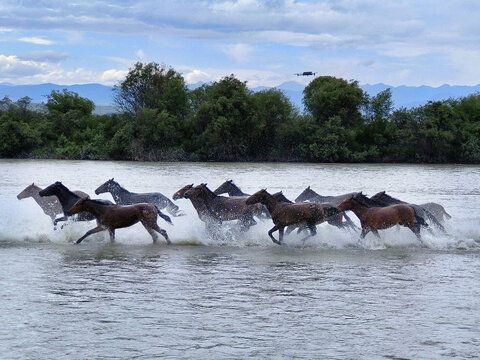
<point x="434" y="220"/>
<point x="419" y="220"/>
<point x="447" y="214"/>
<point x="163" y="216"/>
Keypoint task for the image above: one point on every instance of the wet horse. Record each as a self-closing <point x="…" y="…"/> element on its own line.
<point x="67" y="199"/>
<point x="124" y="197"/>
<point x="49" y="204"/>
<point x="337" y="220"/>
<point x="285" y="214"/>
<point x="200" y="207"/>
<point x="230" y="188"/>
<point x="225" y="208"/>
<point x="433" y="211"/>
<point x="374" y="218"/>
<point x="111" y="217"/>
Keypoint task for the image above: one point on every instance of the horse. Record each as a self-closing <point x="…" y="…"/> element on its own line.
<point x="433" y="211"/>
<point x="49" y="204"/>
<point x="124" y="197"/>
<point x="111" y="216"/>
<point x="199" y="205"/>
<point x="285" y="214"/>
<point x="337" y="220"/>
<point x="230" y="188"/>
<point x="374" y="218"/>
<point x="225" y="208"/>
<point x="67" y="199"/>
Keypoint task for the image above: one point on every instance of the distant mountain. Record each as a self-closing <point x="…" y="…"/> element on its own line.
<point x="99" y="94"/>
<point x="102" y="96"/>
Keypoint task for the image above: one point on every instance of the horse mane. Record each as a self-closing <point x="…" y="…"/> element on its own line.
<point x="383" y="196"/>
<point x="97" y="201"/>
<point x="364" y="200"/>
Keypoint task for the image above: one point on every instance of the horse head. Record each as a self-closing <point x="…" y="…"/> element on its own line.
<point x="51" y="189"/>
<point x="305" y="195"/>
<point x="258" y="197"/>
<point x="181" y="193"/>
<point x="27" y="192"/>
<point x="107" y="186"/>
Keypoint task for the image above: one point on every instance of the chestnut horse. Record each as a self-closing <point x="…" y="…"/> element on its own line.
<point x="374" y="218"/>
<point x="225" y="208"/>
<point x="111" y="217"/>
<point x="49" y="204"/>
<point x="432" y="211"/>
<point x="285" y="214"/>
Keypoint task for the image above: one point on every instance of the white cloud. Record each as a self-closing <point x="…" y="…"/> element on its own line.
<point x="36" y="41"/>
<point x="239" y="52"/>
<point x="140" y="54"/>
<point x="112" y="77"/>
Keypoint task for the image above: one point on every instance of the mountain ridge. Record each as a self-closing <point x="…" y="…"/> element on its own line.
<point x="102" y="95"/>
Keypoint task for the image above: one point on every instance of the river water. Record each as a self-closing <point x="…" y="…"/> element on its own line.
<point x="239" y="295"/>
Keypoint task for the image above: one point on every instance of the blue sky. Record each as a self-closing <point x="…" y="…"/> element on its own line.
<point x="404" y="42"/>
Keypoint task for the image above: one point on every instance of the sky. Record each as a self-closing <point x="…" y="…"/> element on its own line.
<point x="263" y="42"/>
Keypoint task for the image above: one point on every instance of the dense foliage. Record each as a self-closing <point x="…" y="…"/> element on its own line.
<point x="225" y="121"/>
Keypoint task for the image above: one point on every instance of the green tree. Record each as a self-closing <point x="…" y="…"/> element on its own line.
<point x="326" y="97"/>
<point x="152" y="86"/>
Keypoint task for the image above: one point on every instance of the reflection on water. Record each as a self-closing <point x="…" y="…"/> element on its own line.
<point x="240" y="295"/>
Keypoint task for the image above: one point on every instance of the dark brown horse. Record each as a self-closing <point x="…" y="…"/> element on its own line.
<point x="49" y="204"/>
<point x="111" y="217"/>
<point x="124" y="197"/>
<point x="200" y="207"/>
<point x="336" y="220"/>
<point x="374" y="218"/>
<point x="225" y="208"/>
<point x="285" y="214"/>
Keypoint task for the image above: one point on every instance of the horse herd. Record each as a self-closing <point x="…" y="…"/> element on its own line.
<point x="378" y="212"/>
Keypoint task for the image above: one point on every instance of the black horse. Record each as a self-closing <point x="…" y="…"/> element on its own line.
<point x="67" y="199"/>
<point x="124" y="197"/>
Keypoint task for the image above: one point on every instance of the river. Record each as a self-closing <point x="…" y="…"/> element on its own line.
<point x="238" y="295"/>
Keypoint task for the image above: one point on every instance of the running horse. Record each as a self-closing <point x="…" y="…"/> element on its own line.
<point x="49" y="204"/>
<point x="230" y="188"/>
<point x="124" y="197"/>
<point x="225" y="208"/>
<point x="285" y="214"/>
<point x="337" y="220"/>
<point x="111" y="217"/>
<point x="433" y="211"/>
<point x="374" y="218"/>
<point x="200" y="207"/>
<point x="67" y="199"/>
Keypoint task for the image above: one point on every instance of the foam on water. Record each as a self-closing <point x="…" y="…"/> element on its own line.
<point x="23" y="221"/>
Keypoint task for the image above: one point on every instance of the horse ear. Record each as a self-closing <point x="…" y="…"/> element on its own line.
<point x="308" y="187"/>
<point x="111" y="179"/>
<point x="33" y="184"/>
<point x="383" y="192"/>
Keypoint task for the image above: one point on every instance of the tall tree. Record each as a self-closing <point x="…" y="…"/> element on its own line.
<point x="151" y="86"/>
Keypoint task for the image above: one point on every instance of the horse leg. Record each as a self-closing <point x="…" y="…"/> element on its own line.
<point x="63" y="218"/>
<point x="275" y="228"/>
<point x="364" y="232"/>
<point x="313" y="232"/>
<point x="112" y="235"/>
<point x="90" y="232"/>
<point x="151" y="227"/>
<point x="349" y="222"/>
<point x="375" y="232"/>
<point x="280" y="234"/>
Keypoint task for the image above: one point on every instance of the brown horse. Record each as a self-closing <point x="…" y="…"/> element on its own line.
<point x="199" y="205"/>
<point x="49" y="204"/>
<point x="225" y="208"/>
<point x="374" y="218"/>
<point x="111" y="217"/>
<point x="285" y="214"/>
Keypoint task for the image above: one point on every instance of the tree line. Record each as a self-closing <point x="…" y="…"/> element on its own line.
<point x="161" y="119"/>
